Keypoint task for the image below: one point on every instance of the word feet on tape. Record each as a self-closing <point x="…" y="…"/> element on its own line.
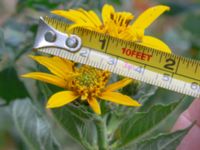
<point x="125" y="58"/>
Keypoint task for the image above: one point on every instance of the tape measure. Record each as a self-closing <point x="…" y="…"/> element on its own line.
<point x="125" y="58"/>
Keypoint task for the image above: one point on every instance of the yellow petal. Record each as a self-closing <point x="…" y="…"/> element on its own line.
<point x="61" y="98"/>
<point x="112" y="29"/>
<point x="66" y="65"/>
<point x="45" y="77"/>
<point x="117" y="85"/>
<point x="91" y="16"/>
<point x="68" y="15"/>
<point x="128" y="35"/>
<point x="77" y="16"/>
<point x="58" y="66"/>
<point x="82" y="15"/>
<point x="119" y="98"/>
<point x="95" y="17"/>
<point x="94" y="105"/>
<point x="106" y="13"/>
<point x="83" y="25"/>
<point x="149" y="16"/>
<point x="155" y="43"/>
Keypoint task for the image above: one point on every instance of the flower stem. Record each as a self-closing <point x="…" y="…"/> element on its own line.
<point x="102" y="133"/>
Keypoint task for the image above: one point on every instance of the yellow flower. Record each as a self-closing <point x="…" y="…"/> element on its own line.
<point x="117" y="24"/>
<point x="85" y="82"/>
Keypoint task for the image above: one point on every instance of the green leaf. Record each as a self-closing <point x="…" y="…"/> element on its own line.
<point x="145" y="92"/>
<point x="11" y="87"/>
<point x="141" y="124"/>
<point x="77" y="124"/>
<point x="119" y="113"/>
<point x="33" y="126"/>
<point x="131" y="89"/>
<point x="144" y="96"/>
<point x="165" y="141"/>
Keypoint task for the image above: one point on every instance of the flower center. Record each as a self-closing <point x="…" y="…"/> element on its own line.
<point x="88" y="76"/>
<point x="89" y="82"/>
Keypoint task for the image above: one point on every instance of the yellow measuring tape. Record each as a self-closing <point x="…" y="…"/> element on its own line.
<point x="127" y="58"/>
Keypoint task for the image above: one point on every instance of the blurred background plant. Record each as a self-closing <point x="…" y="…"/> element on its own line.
<point x="24" y="122"/>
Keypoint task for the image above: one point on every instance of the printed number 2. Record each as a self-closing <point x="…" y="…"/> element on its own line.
<point x="103" y="43"/>
<point x="170" y="63"/>
<point x="84" y="53"/>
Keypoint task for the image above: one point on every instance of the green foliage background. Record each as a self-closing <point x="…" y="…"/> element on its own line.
<point x="24" y="122"/>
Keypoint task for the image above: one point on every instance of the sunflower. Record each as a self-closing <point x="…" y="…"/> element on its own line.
<point x="85" y="82"/>
<point x="91" y="84"/>
<point x="118" y="24"/>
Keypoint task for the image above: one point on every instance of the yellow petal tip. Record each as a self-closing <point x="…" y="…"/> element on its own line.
<point x="99" y="113"/>
<point x="56" y="12"/>
<point x="24" y="76"/>
<point x="163" y="6"/>
<point x="48" y="106"/>
<point x="167" y="7"/>
<point x="136" y="103"/>
<point x="28" y="75"/>
<point x="32" y="57"/>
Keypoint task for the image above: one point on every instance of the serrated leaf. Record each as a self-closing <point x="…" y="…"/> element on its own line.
<point x="75" y="124"/>
<point x="142" y="123"/>
<point x="11" y="87"/>
<point x="33" y="126"/>
<point x="130" y="89"/>
<point x="165" y="141"/>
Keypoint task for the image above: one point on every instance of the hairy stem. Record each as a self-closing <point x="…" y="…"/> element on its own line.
<point x="102" y="133"/>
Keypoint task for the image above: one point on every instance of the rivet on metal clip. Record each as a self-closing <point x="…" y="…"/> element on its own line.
<point x="47" y="36"/>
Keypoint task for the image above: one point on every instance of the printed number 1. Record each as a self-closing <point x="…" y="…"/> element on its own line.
<point x="103" y="43"/>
